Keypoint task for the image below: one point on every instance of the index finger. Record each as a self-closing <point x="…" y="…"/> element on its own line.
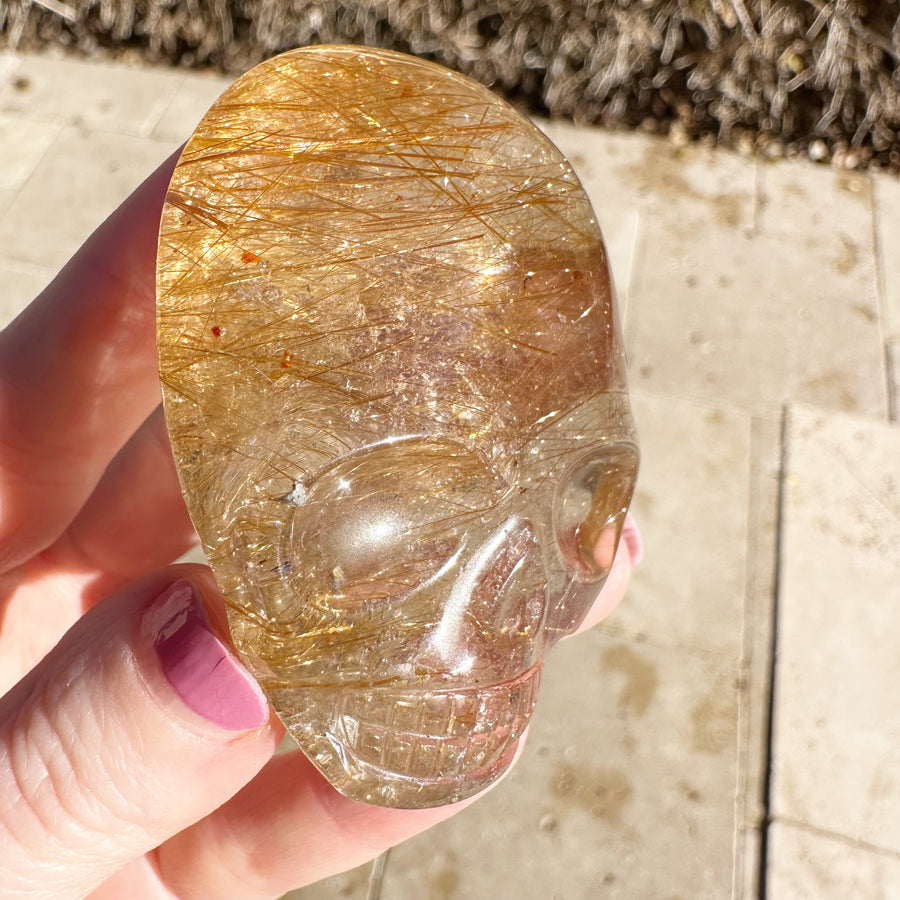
<point x="78" y="374"/>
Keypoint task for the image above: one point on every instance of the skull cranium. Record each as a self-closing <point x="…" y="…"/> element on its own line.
<point x="395" y="388"/>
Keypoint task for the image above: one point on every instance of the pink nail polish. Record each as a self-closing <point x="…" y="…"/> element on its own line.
<point x="632" y="536"/>
<point x="202" y="670"/>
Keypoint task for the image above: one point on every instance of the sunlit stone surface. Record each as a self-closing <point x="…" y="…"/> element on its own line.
<point x="394" y="385"/>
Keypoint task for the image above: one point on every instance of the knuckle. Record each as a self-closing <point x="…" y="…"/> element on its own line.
<point x="63" y="798"/>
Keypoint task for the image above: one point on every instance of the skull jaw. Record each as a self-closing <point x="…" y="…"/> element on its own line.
<point x="411" y="749"/>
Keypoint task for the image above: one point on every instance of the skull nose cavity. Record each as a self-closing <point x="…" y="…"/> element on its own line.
<point x="447" y="636"/>
<point x="494" y="611"/>
<point x="590" y="506"/>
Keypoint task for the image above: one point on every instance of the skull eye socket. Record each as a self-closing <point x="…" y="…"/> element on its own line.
<point x="590" y="506"/>
<point x="386" y="520"/>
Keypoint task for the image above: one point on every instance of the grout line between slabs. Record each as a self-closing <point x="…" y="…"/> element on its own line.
<point x="160" y="107"/>
<point x="766" y="822"/>
<point x="376" y="876"/>
<point x="759" y="200"/>
<point x="893" y="387"/>
<point x="881" y="300"/>
<point x="753" y="658"/>
<point x="840" y="838"/>
<point x="629" y="319"/>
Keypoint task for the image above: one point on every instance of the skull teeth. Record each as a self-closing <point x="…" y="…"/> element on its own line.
<point x="441" y="734"/>
<point x="435" y="737"/>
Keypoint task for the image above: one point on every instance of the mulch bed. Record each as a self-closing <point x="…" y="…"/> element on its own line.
<point x="784" y="77"/>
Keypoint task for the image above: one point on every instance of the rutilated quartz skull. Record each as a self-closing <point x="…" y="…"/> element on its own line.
<point x="395" y="390"/>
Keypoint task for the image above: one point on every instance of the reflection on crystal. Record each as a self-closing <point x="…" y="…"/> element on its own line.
<point x="395" y="390"/>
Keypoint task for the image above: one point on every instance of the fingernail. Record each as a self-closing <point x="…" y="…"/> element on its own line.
<point x="202" y="670"/>
<point x="631" y="534"/>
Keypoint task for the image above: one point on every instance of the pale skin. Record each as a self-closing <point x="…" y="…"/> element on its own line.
<point x="110" y="786"/>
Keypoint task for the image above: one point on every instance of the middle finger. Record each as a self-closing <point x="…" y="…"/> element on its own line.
<point x="134" y="521"/>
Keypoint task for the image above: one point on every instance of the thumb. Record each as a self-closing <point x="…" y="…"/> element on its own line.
<point x="140" y="722"/>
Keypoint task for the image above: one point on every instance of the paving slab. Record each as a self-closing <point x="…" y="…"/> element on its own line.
<point x="352" y="885"/>
<point x="630" y="767"/>
<point x="8" y="62"/>
<point x="633" y="168"/>
<point x="632" y="178"/>
<point x="836" y="758"/>
<point x="692" y="502"/>
<point x="194" y="96"/>
<point x="6" y="196"/>
<point x="787" y="310"/>
<point x="24" y="145"/>
<point x="887" y="232"/>
<point x="101" y="96"/>
<point x="79" y="181"/>
<point x="808" y="865"/>
<point x="707" y="501"/>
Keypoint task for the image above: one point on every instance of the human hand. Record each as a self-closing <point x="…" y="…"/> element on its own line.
<point x="136" y="753"/>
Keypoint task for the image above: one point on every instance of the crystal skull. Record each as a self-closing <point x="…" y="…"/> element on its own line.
<point x="395" y="390"/>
